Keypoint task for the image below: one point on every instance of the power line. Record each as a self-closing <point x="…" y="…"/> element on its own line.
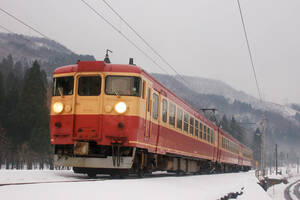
<point x="123" y="35"/>
<point x="249" y="50"/>
<point x="147" y="44"/>
<point x="4" y="28"/>
<point x="22" y="22"/>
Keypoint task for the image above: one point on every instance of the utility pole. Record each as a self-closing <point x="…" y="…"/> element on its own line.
<point x="276" y="155"/>
<point x="262" y="165"/>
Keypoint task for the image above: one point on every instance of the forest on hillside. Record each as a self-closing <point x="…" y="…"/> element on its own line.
<point x="24" y="115"/>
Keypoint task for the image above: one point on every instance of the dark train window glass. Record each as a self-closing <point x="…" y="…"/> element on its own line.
<point x="172" y="110"/>
<point x="186" y="122"/>
<point x="89" y="85"/>
<point x="164" y="110"/>
<point x="208" y="134"/>
<point x="204" y="135"/>
<point x="196" y="128"/>
<point x="201" y="130"/>
<point x="63" y="86"/>
<point x="155" y="106"/>
<point x="191" y="125"/>
<point x="179" y="118"/>
<point x="123" y="85"/>
<point x="212" y="136"/>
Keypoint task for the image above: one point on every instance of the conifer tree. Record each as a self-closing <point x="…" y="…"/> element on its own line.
<point x="33" y="111"/>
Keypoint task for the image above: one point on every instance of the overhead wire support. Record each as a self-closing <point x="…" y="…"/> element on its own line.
<point x="145" y="42"/>
<point x="249" y="50"/>
<point x="22" y="22"/>
<point x="122" y="34"/>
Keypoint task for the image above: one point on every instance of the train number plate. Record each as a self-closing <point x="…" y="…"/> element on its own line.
<point x="81" y="148"/>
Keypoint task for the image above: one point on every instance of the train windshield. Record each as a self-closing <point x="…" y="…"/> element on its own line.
<point x="123" y="85"/>
<point x="63" y="86"/>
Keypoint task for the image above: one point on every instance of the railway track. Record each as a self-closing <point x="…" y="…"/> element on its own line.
<point x="287" y="192"/>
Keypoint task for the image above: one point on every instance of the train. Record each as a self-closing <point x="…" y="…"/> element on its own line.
<point x="117" y="119"/>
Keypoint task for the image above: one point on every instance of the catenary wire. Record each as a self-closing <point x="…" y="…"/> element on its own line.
<point x="123" y="35"/>
<point x="14" y="17"/>
<point x="145" y="42"/>
<point x="6" y="29"/>
<point x="249" y="49"/>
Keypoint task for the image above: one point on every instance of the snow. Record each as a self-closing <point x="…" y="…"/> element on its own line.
<point x="158" y="187"/>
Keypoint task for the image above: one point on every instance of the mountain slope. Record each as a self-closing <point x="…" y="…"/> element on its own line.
<point x="48" y="52"/>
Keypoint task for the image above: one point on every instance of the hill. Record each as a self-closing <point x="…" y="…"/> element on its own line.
<point x="48" y="53"/>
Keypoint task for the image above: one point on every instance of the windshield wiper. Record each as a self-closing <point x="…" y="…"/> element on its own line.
<point x="61" y="93"/>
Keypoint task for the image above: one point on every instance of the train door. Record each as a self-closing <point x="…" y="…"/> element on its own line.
<point x="87" y="105"/>
<point x="216" y="146"/>
<point x="148" y="113"/>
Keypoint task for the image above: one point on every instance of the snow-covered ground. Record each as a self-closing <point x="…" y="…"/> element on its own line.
<point x="203" y="187"/>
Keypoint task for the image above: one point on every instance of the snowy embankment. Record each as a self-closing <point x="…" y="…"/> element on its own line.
<point x="203" y="187"/>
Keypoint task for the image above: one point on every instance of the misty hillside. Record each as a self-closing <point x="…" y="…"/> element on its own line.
<point x="282" y="127"/>
<point x="49" y="53"/>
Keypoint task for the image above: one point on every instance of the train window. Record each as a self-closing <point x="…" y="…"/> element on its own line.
<point x="201" y="130"/>
<point x="196" y="127"/>
<point x="186" y="122"/>
<point x="172" y="114"/>
<point x="89" y="85"/>
<point x="212" y="136"/>
<point x="63" y="86"/>
<point x="208" y="134"/>
<point x="144" y="89"/>
<point x="192" y="125"/>
<point x="123" y="85"/>
<point x="179" y="118"/>
<point x="164" y="110"/>
<point x="204" y="135"/>
<point x="155" y="106"/>
<point x="149" y="97"/>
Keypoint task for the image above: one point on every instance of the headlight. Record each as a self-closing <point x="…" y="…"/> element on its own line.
<point x="58" y="107"/>
<point x="120" y="107"/>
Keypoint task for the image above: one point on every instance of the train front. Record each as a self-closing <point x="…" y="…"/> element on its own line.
<point x="95" y="112"/>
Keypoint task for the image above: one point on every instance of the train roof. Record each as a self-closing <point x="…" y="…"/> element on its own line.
<point x="97" y="66"/>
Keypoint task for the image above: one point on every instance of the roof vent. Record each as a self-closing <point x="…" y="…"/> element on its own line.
<point x="131" y="61"/>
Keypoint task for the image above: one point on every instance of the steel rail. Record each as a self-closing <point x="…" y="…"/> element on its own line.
<point x="287" y="194"/>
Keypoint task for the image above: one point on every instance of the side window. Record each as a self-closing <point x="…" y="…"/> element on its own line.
<point x="196" y="127"/>
<point x="191" y="125"/>
<point x="179" y="118"/>
<point x="186" y="122"/>
<point x="204" y="135"/>
<point x="164" y="110"/>
<point x="149" y="93"/>
<point x="89" y="85"/>
<point x="208" y="134"/>
<point x="201" y="130"/>
<point x="172" y="110"/>
<point x="144" y="89"/>
<point x="155" y="106"/>
<point x="212" y="136"/>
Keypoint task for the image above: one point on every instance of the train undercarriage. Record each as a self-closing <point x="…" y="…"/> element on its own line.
<point x="118" y="160"/>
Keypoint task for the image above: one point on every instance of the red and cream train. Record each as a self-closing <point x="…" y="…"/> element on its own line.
<point x="117" y="119"/>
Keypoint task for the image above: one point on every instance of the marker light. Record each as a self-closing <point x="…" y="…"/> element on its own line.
<point x="58" y="107"/>
<point x="120" y="107"/>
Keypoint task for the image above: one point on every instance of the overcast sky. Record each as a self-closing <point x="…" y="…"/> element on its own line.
<point x="200" y="37"/>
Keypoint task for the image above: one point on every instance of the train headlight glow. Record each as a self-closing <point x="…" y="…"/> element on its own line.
<point x="58" y="107"/>
<point x="120" y="107"/>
